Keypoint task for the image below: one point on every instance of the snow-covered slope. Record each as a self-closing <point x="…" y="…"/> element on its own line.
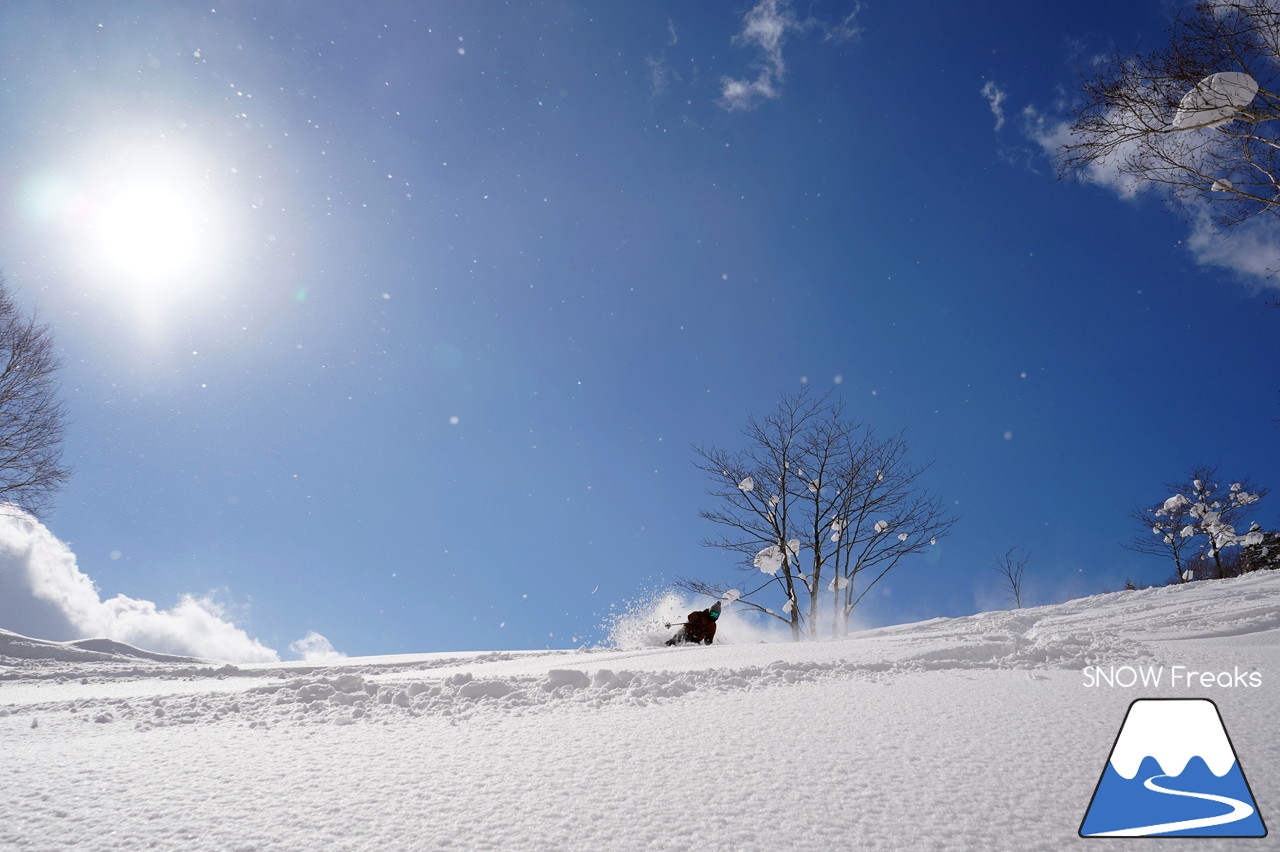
<point x="983" y="732"/>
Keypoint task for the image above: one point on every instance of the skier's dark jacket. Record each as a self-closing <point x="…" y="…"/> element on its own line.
<point x="699" y="627"/>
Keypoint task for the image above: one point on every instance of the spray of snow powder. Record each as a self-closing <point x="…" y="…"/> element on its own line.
<point x="640" y="622"/>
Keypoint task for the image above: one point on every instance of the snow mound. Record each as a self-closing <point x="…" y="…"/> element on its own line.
<point x="15" y="647"/>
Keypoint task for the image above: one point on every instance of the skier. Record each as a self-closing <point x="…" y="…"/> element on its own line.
<point x="699" y="627"/>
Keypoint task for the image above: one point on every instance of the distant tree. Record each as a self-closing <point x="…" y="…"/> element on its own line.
<point x="1261" y="555"/>
<point x="32" y="417"/>
<point x="1199" y="522"/>
<point x="818" y="504"/>
<point x="1011" y="567"/>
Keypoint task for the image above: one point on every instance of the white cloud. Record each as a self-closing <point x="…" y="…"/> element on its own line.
<point x="995" y="99"/>
<point x="44" y="594"/>
<point x="315" y="648"/>
<point x="847" y="28"/>
<point x="1250" y="250"/>
<point x="659" y="75"/>
<point x="743" y="94"/>
<point x="1052" y="133"/>
<point x="765" y="28"/>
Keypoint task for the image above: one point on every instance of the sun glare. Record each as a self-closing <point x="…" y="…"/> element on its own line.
<point x="149" y="226"/>
<point x="148" y="232"/>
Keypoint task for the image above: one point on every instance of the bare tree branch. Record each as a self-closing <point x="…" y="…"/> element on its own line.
<point x="1135" y="118"/>
<point x="1011" y="567"/>
<point x="32" y="417"/>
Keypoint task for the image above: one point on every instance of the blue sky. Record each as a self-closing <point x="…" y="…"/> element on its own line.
<point x="396" y="322"/>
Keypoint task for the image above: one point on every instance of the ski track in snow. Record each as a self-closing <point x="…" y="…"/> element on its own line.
<point x="971" y="732"/>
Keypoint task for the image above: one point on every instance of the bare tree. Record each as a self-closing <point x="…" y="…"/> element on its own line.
<point x="1011" y="568"/>
<point x="31" y="415"/>
<point x="761" y="503"/>
<point x="1187" y="116"/>
<point x="816" y="503"/>
<point x="886" y="516"/>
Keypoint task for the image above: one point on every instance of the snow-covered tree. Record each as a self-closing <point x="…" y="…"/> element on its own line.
<point x="1160" y="531"/>
<point x="817" y="504"/>
<point x="1203" y="516"/>
<point x="1210" y="515"/>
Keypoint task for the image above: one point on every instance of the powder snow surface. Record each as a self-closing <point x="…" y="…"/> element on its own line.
<point x="980" y="732"/>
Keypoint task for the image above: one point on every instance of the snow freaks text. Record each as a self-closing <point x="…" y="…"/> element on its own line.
<point x="1147" y="677"/>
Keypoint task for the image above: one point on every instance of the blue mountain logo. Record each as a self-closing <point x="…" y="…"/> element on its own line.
<point x="1172" y="773"/>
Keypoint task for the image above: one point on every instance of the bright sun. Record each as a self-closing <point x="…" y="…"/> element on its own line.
<point x="148" y="231"/>
<point x="151" y="227"/>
